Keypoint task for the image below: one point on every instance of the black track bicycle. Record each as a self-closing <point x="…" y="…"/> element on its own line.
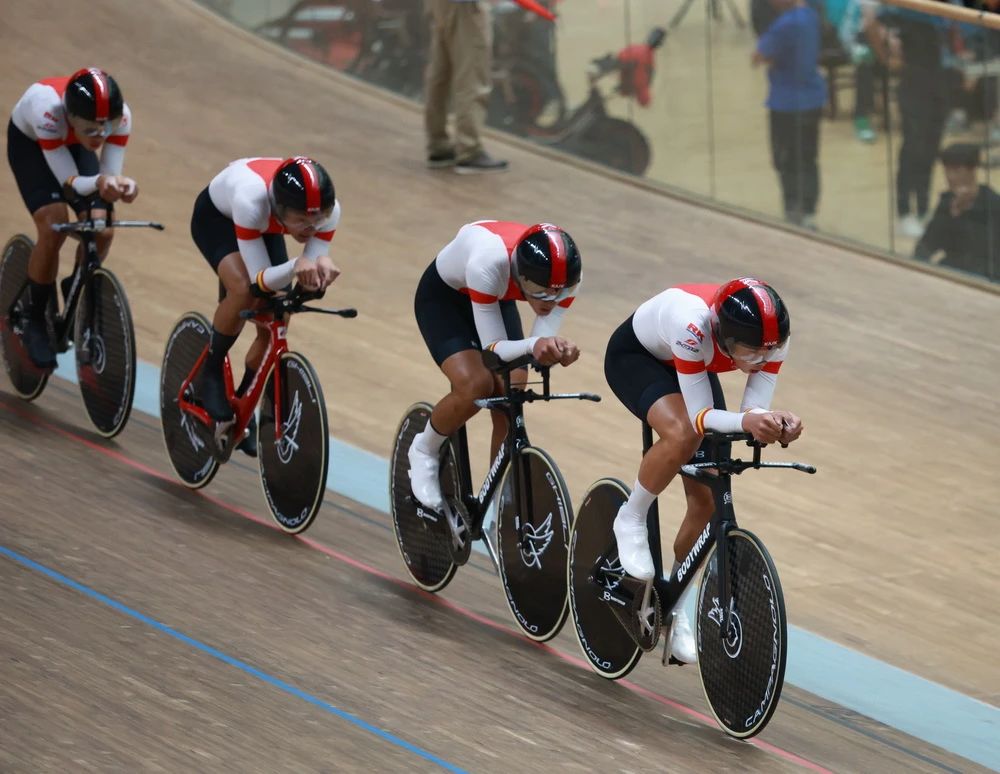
<point x="533" y="509"/>
<point x="741" y="629"/>
<point x="293" y="436"/>
<point x="95" y="320"/>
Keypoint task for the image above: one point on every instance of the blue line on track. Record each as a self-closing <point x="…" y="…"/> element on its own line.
<point x="958" y="723"/>
<point x="226" y="659"/>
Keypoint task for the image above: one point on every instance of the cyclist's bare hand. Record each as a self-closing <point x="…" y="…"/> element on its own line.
<point x="307" y="273"/>
<point x="765" y="426"/>
<point x="548" y="350"/>
<point x="328" y="271"/>
<point x="792" y="426"/>
<point x="109" y="188"/>
<point x="129" y="189"/>
<point x="570" y="352"/>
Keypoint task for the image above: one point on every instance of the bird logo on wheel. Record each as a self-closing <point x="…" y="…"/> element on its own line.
<point x="288" y="444"/>
<point x="535" y="542"/>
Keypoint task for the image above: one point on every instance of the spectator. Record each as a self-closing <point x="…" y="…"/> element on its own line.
<point x="966" y="223"/>
<point x="858" y="16"/>
<point x="459" y="68"/>
<point x="796" y="95"/>
<point x="914" y="44"/>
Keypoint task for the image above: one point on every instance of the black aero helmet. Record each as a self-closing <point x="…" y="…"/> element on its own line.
<point x="751" y="313"/>
<point x="546" y="263"/>
<point x="93" y="95"/>
<point x="303" y="185"/>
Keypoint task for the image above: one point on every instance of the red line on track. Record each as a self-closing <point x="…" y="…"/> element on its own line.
<point x="324" y="549"/>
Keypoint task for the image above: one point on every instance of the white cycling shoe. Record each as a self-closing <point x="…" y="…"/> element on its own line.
<point x="682" y="643"/>
<point x="633" y="544"/>
<point x="424" y="481"/>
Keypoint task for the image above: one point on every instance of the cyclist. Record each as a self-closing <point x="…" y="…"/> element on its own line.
<point x="239" y="222"/>
<point x="55" y="131"/>
<point x="662" y="363"/>
<point x="465" y="303"/>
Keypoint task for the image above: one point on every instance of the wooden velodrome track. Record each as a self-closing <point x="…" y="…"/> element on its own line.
<point x="889" y="550"/>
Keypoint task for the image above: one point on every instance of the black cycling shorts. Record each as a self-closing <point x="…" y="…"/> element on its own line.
<point x="215" y="235"/>
<point x="35" y="181"/>
<point x="638" y="379"/>
<point x="444" y="316"/>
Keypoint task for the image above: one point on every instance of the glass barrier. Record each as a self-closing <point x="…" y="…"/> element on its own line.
<point x="854" y="118"/>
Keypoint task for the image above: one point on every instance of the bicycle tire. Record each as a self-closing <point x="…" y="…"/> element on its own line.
<point x="614" y="143"/>
<point x="27" y="380"/>
<point x="742" y="674"/>
<point x="608" y="648"/>
<point x="188" y="442"/>
<point x="423" y="538"/>
<point x="293" y="470"/>
<point x="104" y="346"/>
<point x="533" y="551"/>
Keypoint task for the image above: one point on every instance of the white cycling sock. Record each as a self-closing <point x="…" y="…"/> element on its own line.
<point x="639" y="501"/>
<point x="430" y="440"/>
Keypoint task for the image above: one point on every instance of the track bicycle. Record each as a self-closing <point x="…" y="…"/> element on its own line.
<point x="95" y="320"/>
<point x="534" y="512"/>
<point x="741" y="629"/>
<point x="293" y="436"/>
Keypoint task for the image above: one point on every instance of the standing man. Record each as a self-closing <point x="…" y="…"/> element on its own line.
<point x="459" y="68"/>
<point x="796" y="95"/>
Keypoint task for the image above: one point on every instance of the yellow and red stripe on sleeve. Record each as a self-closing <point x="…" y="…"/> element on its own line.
<point x="260" y="282"/>
<point x="699" y="420"/>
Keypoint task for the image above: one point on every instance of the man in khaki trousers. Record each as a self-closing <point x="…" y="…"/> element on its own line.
<point x="459" y="67"/>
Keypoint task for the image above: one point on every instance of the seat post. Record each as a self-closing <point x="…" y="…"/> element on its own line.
<point x="653" y="516"/>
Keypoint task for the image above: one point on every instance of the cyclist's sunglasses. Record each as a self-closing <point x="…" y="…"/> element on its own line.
<point x="95" y="128"/>
<point x="541" y="293"/>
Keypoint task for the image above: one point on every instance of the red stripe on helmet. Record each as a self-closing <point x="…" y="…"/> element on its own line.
<point x="768" y="311"/>
<point x="311" y="181"/>
<point x="102" y="94"/>
<point x="557" y="275"/>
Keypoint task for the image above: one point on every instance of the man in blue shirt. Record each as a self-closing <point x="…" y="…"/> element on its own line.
<point x="796" y="95"/>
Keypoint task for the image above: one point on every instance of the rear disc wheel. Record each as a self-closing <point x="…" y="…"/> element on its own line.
<point x="27" y="380"/>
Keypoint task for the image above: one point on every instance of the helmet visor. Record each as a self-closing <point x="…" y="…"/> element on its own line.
<point x="542" y="293"/>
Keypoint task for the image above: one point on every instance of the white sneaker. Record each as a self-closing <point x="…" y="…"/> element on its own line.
<point x="424" y="479"/>
<point x="682" y="644"/>
<point x="633" y="544"/>
<point x="910" y="226"/>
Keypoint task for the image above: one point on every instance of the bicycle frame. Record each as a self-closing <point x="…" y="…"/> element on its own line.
<point x="510" y="450"/>
<point x="245" y="404"/>
<point x="89" y="262"/>
<point x="670" y="589"/>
